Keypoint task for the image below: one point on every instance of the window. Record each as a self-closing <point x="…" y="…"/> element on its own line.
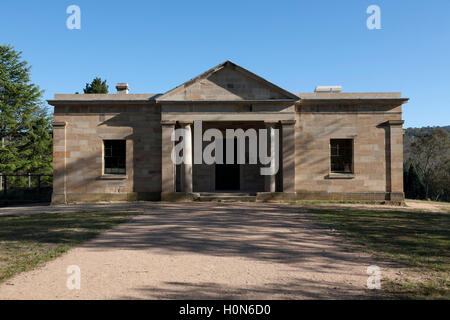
<point x="341" y="155"/>
<point x="114" y="156"/>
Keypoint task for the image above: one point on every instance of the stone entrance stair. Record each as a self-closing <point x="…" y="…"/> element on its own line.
<point x="226" y="196"/>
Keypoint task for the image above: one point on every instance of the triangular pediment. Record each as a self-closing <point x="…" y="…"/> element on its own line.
<point x="227" y="82"/>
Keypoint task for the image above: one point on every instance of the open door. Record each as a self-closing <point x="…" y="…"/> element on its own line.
<point x="228" y="175"/>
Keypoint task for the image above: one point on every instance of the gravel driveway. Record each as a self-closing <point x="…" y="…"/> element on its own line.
<point x="205" y="251"/>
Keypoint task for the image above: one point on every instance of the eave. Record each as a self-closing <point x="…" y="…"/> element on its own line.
<point x="350" y="101"/>
<point x="226" y="101"/>
<point x="99" y="102"/>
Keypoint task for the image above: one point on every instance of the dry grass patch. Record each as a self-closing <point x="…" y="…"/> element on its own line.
<point x="30" y="240"/>
<point x="417" y="240"/>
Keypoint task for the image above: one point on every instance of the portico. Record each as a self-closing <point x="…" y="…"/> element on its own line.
<point x="188" y="179"/>
<point x="228" y="97"/>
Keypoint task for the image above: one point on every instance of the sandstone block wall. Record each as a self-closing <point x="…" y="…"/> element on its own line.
<point x="374" y="175"/>
<point x="80" y="129"/>
<point x="86" y="128"/>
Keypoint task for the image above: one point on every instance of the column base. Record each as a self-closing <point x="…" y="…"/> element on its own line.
<point x="59" y="199"/>
<point x="396" y="196"/>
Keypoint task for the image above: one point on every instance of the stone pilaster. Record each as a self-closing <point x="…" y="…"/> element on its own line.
<point x="168" y="167"/>
<point x="394" y="165"/>
<point x="270" y="180"/>
<point x="288" y="155"/>
<point x="187" y="164"/>
<point x="60" y="154"/>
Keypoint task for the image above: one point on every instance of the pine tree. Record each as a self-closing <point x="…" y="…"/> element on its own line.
<point x="25" y="127"/>
<point x="414" y="188"/>
<point x="406" y="186"/>
<point x="96" y="86"/>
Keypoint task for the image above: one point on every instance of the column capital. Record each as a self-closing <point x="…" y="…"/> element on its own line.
<point x="185" y="122"/>
<point x="287" y="122"/>
<point x="59" y="124"/>
<point x="270" y="123"/>
<point x="168" y="123"/>
<point x="395" y="122"/>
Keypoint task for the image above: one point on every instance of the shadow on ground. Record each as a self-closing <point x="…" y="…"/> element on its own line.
<point x="273" y="233"/>
<point x="305" y="289"/>
<point x="217" y="251"/>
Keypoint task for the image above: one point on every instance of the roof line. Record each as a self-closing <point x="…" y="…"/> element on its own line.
<point x="238" y="68"/>
<point x="228" y="101"/>
<point x="344" y="100"/>
<point x="131" y="101"/>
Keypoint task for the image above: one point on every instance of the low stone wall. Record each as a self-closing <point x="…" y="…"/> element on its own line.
<point x="374" y="197"/>
<point x="97" y="197"/>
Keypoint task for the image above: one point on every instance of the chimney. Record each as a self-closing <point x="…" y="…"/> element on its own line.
<point x="329" y="89"/>
<point x="122" y="88"/>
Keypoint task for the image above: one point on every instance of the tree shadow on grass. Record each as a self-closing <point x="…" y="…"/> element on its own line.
<point x="409" y="237"/>
<point x="58" y="228"/>
<point x="27" y="241"/>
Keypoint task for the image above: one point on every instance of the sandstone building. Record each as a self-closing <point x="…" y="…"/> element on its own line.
<point x="333" y="145"/>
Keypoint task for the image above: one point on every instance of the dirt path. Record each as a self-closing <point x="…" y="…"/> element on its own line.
<point x="203" y="251"/>
<point x="428" y="206"/>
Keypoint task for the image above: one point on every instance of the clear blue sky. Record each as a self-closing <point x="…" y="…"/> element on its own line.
<point x="157" y="45"/>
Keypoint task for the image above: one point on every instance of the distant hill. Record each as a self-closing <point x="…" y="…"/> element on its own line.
<point x="409" y="132"/>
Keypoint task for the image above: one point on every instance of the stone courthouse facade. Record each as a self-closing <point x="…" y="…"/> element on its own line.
<point x="332" y="145"/>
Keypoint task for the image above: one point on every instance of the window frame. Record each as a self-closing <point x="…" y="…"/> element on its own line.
<point x="104" y="156"/>
<point x="352" y="161"/>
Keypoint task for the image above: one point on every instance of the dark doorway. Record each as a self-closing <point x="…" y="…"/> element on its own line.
<point x="228" y="175"/>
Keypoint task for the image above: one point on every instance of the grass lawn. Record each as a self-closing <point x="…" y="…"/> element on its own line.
<point x="418" y="240"/>
<point x="27" y="241"/>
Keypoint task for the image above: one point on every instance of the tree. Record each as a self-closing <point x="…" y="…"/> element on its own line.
<point x="96" y="86"/>
<point x="441" y="181"/>
<point x="25" y="127"/>
<point x="414" y="188"/>
<point x="429" y="153"/>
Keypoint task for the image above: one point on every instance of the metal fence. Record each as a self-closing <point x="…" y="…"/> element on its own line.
<point x="27" y="187"/>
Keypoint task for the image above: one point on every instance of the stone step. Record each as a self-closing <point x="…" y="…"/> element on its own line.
<point x="227" y="194"/>
<point x="227" y="198"/>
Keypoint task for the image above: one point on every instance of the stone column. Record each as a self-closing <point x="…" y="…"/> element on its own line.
<point x="288" y="155"/>
<point x="59" y="195"/>
<point x="270" y="182"/>
<point x="187" y="165"/>
<point x="394" y="159"/>
<point x="168" y="167"/>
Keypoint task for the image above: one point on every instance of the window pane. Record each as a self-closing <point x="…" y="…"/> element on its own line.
<point x="341" y="154"/>
<point x="334" y="150"/>
<point x="115" y="156"/>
